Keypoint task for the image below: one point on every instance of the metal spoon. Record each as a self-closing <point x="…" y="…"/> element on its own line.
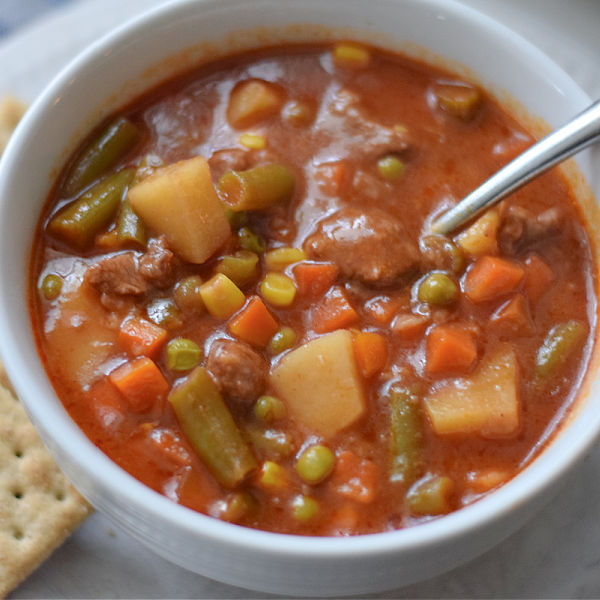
<point x="575" y="135"/>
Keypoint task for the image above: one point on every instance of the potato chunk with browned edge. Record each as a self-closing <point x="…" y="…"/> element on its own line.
<point x="180" y="202"/>
<point x="486" y="403"/>
<point x="320" y="384"/>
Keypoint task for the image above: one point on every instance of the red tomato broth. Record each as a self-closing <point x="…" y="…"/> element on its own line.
<point x="446" y="158"/>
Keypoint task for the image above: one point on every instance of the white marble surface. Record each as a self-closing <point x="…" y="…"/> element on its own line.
<point x="556" y="555"/>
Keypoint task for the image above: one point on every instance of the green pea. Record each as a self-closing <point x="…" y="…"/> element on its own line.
<point x="183" y="354"/>
<point x="251" y="241"/>
<point x="164" y="312"/>
<point x="285" y="338"/>
<point x="237" y="506"/>
<point x="390" y="167"/>
<point x="269" y="408"/>
<point x="315" y="464"/>
<point x="437" y="289"/>
<point x="187" y="295"/>
<point x="51" y="286"/>
<point x="304" y="508"/>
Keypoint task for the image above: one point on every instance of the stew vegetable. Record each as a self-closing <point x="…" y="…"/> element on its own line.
<point x="238" y="299"/>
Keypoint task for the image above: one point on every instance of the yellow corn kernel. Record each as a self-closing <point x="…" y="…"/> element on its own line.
<point x="277" y="289"/>
<point x="221" y="296"/>
<point x="351" y="55"/>
<point x="253" y="141"/>
<point x="272" y="477"/>
<point x="280" y="258"/>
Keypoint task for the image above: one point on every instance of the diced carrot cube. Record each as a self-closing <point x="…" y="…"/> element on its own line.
<point x="314" y="279"/>
<point x="371" y="352"/>
<point x="141" y="383"/>
<point x="141" y="337"/>
<point x="355" y="477"/>
<point x="513" y="317"/>
<point x="409" y="327"/>
<point x="344" y="520"/>
<point x="170" y="446"/>
<point x="383" y="308"/>
<point x="450" y="349"/>
<point x="491" y="277"/>
<point x="254" y="324"/>
<point x="334" y="312"/>
<point x="538" y="277"/>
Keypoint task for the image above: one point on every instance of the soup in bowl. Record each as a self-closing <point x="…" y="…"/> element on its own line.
<point x="264" y="363"/>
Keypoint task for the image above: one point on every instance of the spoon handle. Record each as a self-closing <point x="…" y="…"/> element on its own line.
<point x="575" y="135"/>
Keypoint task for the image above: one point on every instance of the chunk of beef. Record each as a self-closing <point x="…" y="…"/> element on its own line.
<point x="240" y="372"/>
<point x="157" y="265"/>
<point x="128" y="274"/>
<point x="520" y="228"/>
<point x="118" y="274"/>
<point x="372" y="246"/>
<point x="351" y="133"/>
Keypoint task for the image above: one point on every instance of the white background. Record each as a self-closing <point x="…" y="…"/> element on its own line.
<point x="556" y="555"/>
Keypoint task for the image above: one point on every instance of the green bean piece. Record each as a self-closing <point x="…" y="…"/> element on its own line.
<point x="210" y="428"/>
<point x="240" y="267"/>
<point x="269" y="409"/>
<point x="78" y="223"/>
<point x="164" y="312"/>
<point x="256" y="188"/>
<point x="559" y="344"/>
<point x="183" y="354"/>
<point x="284" y="339"/>
<point x="304" y="508"/>
<point x="315" y="464"/>
<point x="251" y="241"/>
<point x="101" y="154"/>
<point x="430" y="496"/>
<point x="406" y="434"/>
<point x="437" y="289"/>
<point x="443" y="253"/>
<point x="130" y="228"/>
<point x="237" y="506"/>
<point x="236" y="219"/>
<point x="390" y="167"/>
<point x="187" y="295"/>
<point x="51" y="286"/>
<point x="270" y="443"/>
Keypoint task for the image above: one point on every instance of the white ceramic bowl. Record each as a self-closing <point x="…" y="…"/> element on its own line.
<point x="117" y="69"/>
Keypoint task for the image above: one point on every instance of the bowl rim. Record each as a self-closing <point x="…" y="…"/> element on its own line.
<point x="540" y="474"/>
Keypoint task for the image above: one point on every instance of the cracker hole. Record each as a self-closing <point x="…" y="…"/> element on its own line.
<point x="18" y="494"/>
<point x="60" y="496"/>
<point x="18" y="453"/>
<point x="18" y="534"/>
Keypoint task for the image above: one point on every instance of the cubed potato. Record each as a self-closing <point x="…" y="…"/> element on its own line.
<point x="482" y="236"/>
<point x="252" y="101"/>
<point x="320" y="384"/>
<point x="180" y="202"/>
<point x="486" y="403"/>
